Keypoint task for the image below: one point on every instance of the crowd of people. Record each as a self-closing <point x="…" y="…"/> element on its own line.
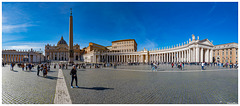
<point x="45" y="67"/>
<point x="180" y="65"/>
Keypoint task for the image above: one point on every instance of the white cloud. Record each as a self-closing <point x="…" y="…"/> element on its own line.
<point x="9" y="38"/>
<point x="213" y="7"/>
<point x="15" y="28"/>
<point x="24" y="46"/>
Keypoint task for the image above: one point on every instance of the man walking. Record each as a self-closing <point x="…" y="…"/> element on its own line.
<point x="38" y="69"/>
<point x="74" y="76"/>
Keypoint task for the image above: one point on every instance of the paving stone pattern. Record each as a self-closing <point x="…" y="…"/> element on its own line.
<point x="113" y="86"/>
<point x="21" y="87"/>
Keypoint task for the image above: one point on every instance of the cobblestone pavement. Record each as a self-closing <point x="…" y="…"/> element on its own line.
<point x="113" y="86"/>
<point x="21" y="87"/>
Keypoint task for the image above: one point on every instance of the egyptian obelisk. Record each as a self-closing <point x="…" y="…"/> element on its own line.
<point x="71" y="58"/>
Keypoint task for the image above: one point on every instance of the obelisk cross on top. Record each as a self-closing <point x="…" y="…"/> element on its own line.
<point x="71" y="51"/>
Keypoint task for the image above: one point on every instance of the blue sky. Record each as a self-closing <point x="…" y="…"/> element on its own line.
<point x="152" y="25"/>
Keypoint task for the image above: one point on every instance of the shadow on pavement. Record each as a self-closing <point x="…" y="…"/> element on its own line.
<point x="51" y="71"/>
<point x="96" y="88"/>
<point x="29" y="71"/>
<point x="51" y="77"/>
<point x="14" y="71"/>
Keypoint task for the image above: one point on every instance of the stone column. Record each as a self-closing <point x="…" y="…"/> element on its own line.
<point x="191" y="55"/>
<point x="197" y="54"/>
<point x="19" y="58"/>
<point x="177" y="57"/>
<point x="174" y="56"/>
<point x="182" y="55"/>
<point x="194" y="54"/>
<point x="167" y="58"/>
<point x="134" y="58"/>
<point x="159" y="57"/>
<point x="206" y="55"/>
<point x="211" y="52"/>
<point x="164" y="57"/>
<point x="14" y="58"/>
<point x="201" y="55"/>
<point x="152" y="57"/>
<point x="185" y="56"/>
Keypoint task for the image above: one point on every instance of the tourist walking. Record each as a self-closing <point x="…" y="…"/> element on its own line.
<point x="182" y="66"/>
<point x="11" y="66"/>
<point x="45" y="70"/>
<point x="155" y="67"/>
<point x="203" y="65"/>
<point x="26" y="66"/>
<point x="74" y="76"/>
<point x="152" y="66"/>
<point x="48" y="67"/>
<point x="38" y="69"/>
<point x="29" y="66"/>
<point x="22" y="66"/>
<point x="172" y="64"/>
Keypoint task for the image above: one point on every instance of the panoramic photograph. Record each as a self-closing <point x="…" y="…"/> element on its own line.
<point x="119" y="53"/>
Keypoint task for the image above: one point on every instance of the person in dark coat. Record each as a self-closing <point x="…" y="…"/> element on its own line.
<point x="74" y="76"/>
<point x="38" y="69"/>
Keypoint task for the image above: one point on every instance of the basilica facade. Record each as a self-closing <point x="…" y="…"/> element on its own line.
<point x="60" y="52"/>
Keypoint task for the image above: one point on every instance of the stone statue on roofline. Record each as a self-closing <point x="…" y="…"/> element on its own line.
<point x="193" y="37"/>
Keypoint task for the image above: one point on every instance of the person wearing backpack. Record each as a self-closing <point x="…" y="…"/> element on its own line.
<point x="74" y="76"/>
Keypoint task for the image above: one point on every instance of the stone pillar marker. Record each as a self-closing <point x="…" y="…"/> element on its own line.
<point x="71" y="39"/>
